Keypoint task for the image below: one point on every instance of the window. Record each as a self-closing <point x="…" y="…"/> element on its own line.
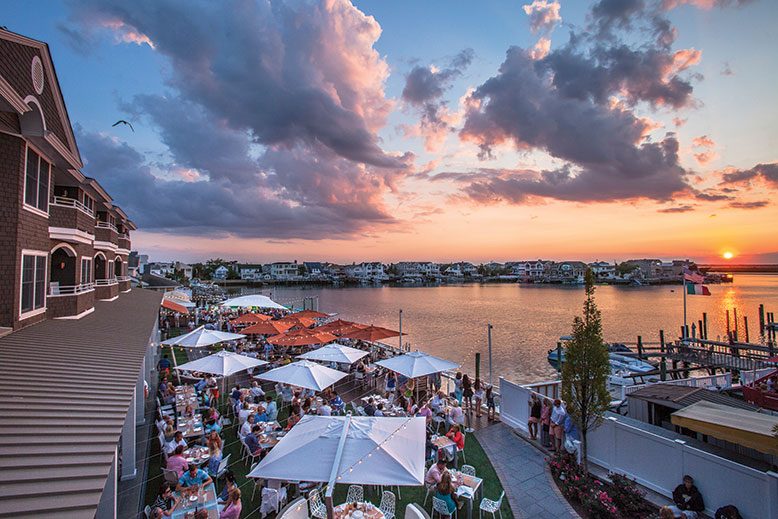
<point x="89" y="202"/>
<point x="36" y="182"/>
<point x="86" y="270"/>
<point x="33" y="281"/>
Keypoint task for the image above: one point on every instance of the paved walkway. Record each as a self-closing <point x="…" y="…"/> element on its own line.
<point x="522" y="472"/>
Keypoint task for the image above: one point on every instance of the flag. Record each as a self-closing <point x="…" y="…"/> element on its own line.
<point x="692" y="277"/>
<point x="697" y="290"/>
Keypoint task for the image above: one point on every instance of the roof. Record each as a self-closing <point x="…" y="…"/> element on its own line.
<point x="158" y="281"/>
<point x="64" y="396"/>
<point x="746" y="428"/>
<point x="678" y="397"/>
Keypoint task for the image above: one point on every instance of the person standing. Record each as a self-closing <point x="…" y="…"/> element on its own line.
<point x="534" y="417"/>
<point x="558" y="414"/>
<point x="478" y="395"/>
<point x="467" y="393"/>
<point x="545" y="423"/>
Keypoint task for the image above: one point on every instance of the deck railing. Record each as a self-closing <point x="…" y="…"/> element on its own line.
<point x="106" y="282"/>
<point x="106" y="225"/>
<point x="55" y="289"/>
<point x="64" y="201"/>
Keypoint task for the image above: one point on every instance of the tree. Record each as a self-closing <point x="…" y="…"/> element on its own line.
<point x="586" y="369"/>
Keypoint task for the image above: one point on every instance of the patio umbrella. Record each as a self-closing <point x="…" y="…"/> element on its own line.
<point x="250" y="318"/>
<point x="349" y="449"/>
<point x="174" y="305"/>
<point x="224" y="363"/>
<point x="267" y="328"/>
<point x="417" y="364"/>
<point x="301" y="337"/>
<point x="371" y="333"/>
<point x="302" y="322"/>
<point x="311" y="314"/>
<point x="200" y="337"/>
<point x="339" y="327"/>
<point x="252" y="301"/>
<point x="304" y="373"/>
<point x="335" y="353"/>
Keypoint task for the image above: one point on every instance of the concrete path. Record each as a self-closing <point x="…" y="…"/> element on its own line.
<point x="522" y="471"/>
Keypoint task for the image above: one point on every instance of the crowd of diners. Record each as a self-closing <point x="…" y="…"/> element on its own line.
<point x="254" y="410"/>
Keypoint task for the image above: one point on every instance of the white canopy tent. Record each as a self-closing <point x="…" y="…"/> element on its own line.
<point x="200" y="337"/>
<point x="335" y="353"/>
<point x="304" y="373"/>
<point x="224" y="363"/>
<point x="417" y="364"/>
<point x="349" y="449"/>
<point x="252" y="301"/>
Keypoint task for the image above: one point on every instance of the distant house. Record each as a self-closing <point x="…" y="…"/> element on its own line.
<point x="285" y="270"/>
<point x="603" y="269"/>
<point x="366" y="271"/>
<point x="461" y="270"/>
<point x="527" y="270"/>
<point x="645" y="268"/>
<point x="567" y="271"/>
<point x="417" y="268"/>
<point x="221" y="272"/>
<point x="250" y="271"/>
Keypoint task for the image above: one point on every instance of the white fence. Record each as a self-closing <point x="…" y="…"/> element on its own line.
<point x="657" y="462"/>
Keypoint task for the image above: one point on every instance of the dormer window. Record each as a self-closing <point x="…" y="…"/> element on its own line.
<point x="36" y="183"/>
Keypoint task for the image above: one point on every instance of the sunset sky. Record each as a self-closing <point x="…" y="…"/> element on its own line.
<point x="438" y="130"/>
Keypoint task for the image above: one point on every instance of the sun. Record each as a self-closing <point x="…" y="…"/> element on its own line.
<point x="728" y="255"/>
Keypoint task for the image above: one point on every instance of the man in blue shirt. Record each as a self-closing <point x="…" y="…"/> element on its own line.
<point x="164" y="363"/>
<point x="193" y="476"/>
<point x="271" y="408"/>
<point x="252" y="442"/>
<point x="236" y="393"/>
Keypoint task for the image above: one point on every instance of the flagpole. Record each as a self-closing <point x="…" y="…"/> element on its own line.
<point x="684" y="306"/>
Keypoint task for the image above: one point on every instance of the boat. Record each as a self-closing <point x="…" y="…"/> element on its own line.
<point x="618" y="362"/>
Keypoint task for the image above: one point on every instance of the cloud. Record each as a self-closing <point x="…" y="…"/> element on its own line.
<point x="703" y="141"/>
<point x="704" y="4"/>
<point x="677" y="209"/>
<point x="749" y="205"/>
<point x="541" y="49"/>
<point x="767" y="173"/>
<point x="706" y="154"/>
<point x="286" y="73"/>
<point x="424" y="89"/>
<point x="726" y="70"/>
<point x="543" y="15"/>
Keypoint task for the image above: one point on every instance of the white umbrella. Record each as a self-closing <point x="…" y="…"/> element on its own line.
<point x="252" y="301"/>
<point x="304" y="373"/>
<point x="224" y="363"/>
<point x="417" y="364"/>
<point x="375" y="451"/>
<point x="200" y="337"/>
<point x="335" y="353"/>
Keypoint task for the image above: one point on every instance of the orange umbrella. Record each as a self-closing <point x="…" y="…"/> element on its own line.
<point x="303" y="322"/>
<point x="339" y="327"/>
<point x="371" y="333"/>
<point x="176" y="307"/>
<point x="301" y="337"/>
<point x="310" y="314"/>
<point x="267" y="328"/>
<point x="250" y="319"/>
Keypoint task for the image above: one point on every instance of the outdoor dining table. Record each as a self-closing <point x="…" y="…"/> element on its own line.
<point x="190" y="427"/>
<point x="446" y="444"/>
<point x="205" y="498"/>
<point x="363" y="510"/>
<point x="186" y="395"/>
<point x="468" y="487"/>
<point x="197" y="454"/>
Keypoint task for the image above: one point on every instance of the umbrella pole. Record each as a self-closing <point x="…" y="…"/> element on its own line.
<point x="335" y="468"/>
<point x="175" y="364"/>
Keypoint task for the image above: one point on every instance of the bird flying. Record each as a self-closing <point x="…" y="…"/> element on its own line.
<point x="122" y="121"/>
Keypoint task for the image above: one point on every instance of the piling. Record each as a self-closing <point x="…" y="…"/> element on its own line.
<point x="559" y="357"/>
<point x="477" y="365"/>
<point x="761" y="320"/>
<point x="729" y="331"/>
<point x="705" y="324"/>
<point x="640" y="347"/>
<point x="700" y="329"/>
<point x="663" y="361"/>
<point x="745" y="326"/>
<point x="737" y="328"/>
<point x="694" y="331"/>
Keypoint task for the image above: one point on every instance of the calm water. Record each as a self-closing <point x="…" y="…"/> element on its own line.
<point x="450" y="321"/>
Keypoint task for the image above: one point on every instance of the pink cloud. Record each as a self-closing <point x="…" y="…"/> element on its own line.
<point x="541" y="49"/>
<point x="543" y="15"/>
<point x="703" y="141"/>
<point x="127" y="34"/>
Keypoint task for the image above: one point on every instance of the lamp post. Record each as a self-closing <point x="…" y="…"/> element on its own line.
<point x="401" y="329"/>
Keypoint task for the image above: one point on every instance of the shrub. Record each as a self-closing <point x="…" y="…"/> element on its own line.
<point x="628" y="498"/>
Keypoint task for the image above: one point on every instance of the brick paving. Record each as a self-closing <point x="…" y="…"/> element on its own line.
<point x="522" y="471"/>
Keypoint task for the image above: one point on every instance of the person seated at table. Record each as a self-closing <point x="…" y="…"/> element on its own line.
<point x="245" y="429"/>
<point x="435" y="472"/>
<point x="688" y="500"/>
<point x="201" y="384"/>
<point x="294" y="417"/>
<point x="156" y="513"/>
<point x="379" y="410"/>
<point x="256" y="392"/>
<point x="215" y="450"/>
<point x="307" y="404"/>
<point x="193" y="476"/>
<point x="165" y="502"/>
<point x="337" y="402"/>
<point x="229" y="483"/>
<point x="212" y="413"/>
<point x="456" y="436"/>
<point x="370" y="407"/>
<point x="244" y="412"/>
<point x="446" y="491"/>
<point x="261" y="414"/>
<point x="438" y="402"/>
<point x="178" y="439"/>
<point x="177" y="461"/>
<point x="325" y="409"/>
<point x="188" y="412"/>
<point x="252" y="440"/>
<point x="401" y="402"/>
<point x="456" y="416"/>
<point x="236" y="393"/>
<point x="410" y="407"/>
<point x="426" y="412"/>
<point x="271" y="408"/>
<point x="233" y="505"/>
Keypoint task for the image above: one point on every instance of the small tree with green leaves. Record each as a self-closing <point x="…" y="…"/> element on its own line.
<point x="586" y="369"/>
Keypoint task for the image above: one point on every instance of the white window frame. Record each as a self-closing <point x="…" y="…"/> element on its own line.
<point x="91" y="269"/>
<point x="25" y="205"/>
<point x="91" y="206"/>
<point x="34" y="311"/>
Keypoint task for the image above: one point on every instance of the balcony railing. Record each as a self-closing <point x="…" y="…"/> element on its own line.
<point x="70" y="202"/>
<point x="106" y="225"/>
<point x="106" y="282"/>
<point x="55" y="289"/>
<point x="124" y="278"/>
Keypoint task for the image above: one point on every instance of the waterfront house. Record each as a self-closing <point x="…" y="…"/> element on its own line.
<point x="284" y="270"/>
<point x="566" y="271"/>
<point x="646" y="269"/>
<point x="77" y="342"/>
<point x="527" y="270"/>
<point x="372" y="270"/>
<point x="314" y="269"/>
<point x="220" y="273"/>
<point x="250" y="272"/>
<point x="463" y="269"/>
<point x="603" y="269"/>
<point x="417" y="269"/>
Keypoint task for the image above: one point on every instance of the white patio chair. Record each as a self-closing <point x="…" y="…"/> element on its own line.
<point x="388" y="503"/>
<point x="147" y="512"/>
<point x="223" y="464"/>
<point x="441" y="508"/>
<point x="355" y="494"/>
<point x="430" y="491"/>
<point x="487" y="505"/>
<point x="468" y="469"/>
<point x="171" y="476"/>
<point x="316" y="506"/>
<point x="270" y="502"/>
<point x="414" y="511"/>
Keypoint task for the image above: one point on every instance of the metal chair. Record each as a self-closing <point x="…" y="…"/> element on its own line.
<point x="430" y="491"/>
<point x="388" y="504"/>
<point x="487" y="505"/>
<point x="147" y="512"/>
<point x="171" y="476"/>
<point x="468" y="469"/>
<point x="438" y="421"/>
<point x="440" y="506"/>
<point x="223" y="464"/>
<point x="355" y="494"/>
<point x="316" y="505"/>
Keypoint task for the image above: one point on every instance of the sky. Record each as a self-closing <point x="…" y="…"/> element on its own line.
<point x="438" y="130"/>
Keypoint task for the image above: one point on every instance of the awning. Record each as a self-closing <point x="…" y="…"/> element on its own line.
<point x="746" y="428"/>
<point x="173" y="305"/>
